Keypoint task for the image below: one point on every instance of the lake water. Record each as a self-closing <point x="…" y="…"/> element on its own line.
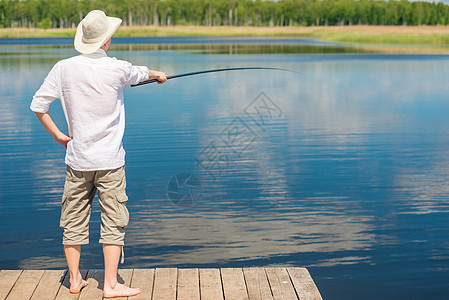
<point x="341" y="167"/>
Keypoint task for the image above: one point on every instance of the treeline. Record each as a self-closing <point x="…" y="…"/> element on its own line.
<point x="68" y="13"/>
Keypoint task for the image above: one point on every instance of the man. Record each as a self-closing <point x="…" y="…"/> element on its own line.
<point x="90" y="88"/>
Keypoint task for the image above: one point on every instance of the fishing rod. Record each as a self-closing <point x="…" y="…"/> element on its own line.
<point x="210" y="71"/>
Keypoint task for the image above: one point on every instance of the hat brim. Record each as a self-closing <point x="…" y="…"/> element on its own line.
<point x="85" y="48"/>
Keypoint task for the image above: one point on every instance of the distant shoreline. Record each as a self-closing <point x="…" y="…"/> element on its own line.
<point x="391" y="35"/>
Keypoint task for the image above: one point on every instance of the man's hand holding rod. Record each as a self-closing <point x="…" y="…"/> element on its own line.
<point x="160" y="77"/>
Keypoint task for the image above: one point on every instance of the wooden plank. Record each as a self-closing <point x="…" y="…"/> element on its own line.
<point x="49" y="285"/>
<point x="143" y="279"/>
<point x="210" y="284"/>
<point x="124" y="277"/>
<point x="188" y="284"/>
<point x="25" y="285"/>
<point x="257" y="284"/>
<point x="64" y="290"/>
<point x="7" y="280"/>
<point x="94" y="290"/>
<point x="234" y="286"/>
<point x="304" y="285"/>
<point x="280" y="283"/>
<point x="165" y="284"/>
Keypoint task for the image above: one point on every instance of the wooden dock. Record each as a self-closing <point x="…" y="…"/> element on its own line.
<point x="166" y="283"/>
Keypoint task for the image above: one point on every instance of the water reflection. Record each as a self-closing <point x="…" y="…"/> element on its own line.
<point x="42" y="263"/>
<point x="211" y="237"/>
<point x="242" y="48"/>
<point x="198" y="49"/>
<point x="350" y="180"/>
<point x="230" y="49"/>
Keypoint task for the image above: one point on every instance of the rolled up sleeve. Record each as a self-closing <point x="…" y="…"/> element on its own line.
<point x="48" y="92"/>
<point x="137" y="74"/>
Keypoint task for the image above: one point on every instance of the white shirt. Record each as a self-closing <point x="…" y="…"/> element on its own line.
<point x="90" y="88"/>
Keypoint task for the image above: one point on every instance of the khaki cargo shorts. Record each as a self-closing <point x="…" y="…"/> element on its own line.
<point x="79" y="191"/>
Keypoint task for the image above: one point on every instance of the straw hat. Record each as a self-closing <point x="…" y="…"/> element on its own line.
<point x="95" y="30"/>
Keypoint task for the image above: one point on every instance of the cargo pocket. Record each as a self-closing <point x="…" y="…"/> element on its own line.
<point x="122" y="212"/>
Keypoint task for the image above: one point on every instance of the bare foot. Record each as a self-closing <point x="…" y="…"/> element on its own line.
<point x="76" y="288"/>
<point x="120" y="290"/>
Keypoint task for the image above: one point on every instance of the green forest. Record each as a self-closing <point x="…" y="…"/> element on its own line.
<point x="68" y="13"/>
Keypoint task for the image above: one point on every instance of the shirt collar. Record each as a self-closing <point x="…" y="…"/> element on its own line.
<point x="97" y="54"/>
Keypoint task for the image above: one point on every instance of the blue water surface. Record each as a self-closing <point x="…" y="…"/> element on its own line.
<point x="341" y="167"/>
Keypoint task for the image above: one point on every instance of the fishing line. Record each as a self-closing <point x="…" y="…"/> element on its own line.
<point x="211" y="71"/>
